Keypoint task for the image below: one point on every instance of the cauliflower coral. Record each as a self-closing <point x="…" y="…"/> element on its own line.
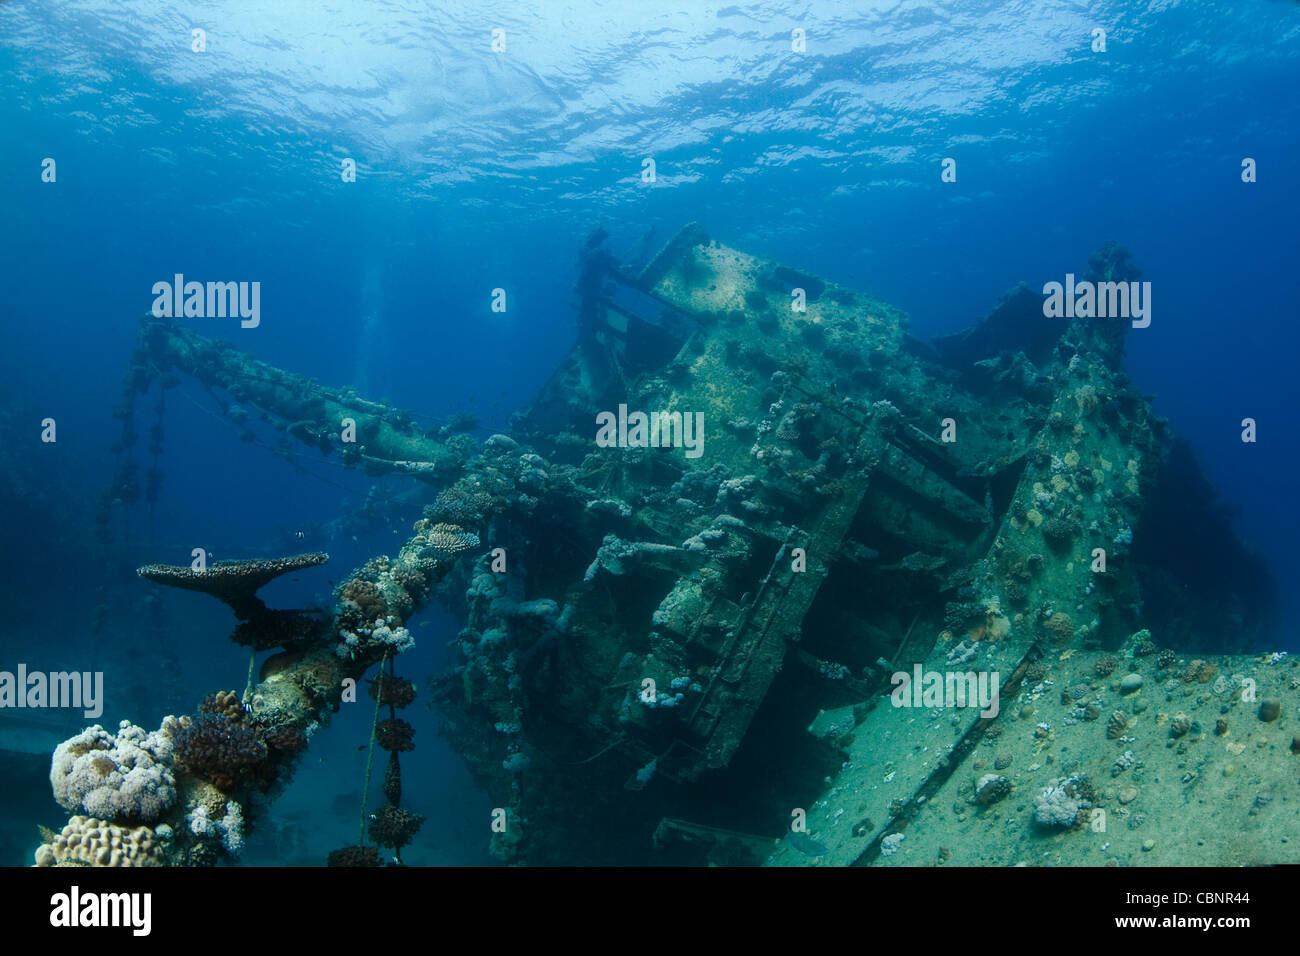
<point x="123" y="778"/>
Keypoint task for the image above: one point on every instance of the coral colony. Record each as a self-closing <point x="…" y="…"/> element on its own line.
<point x="964" y="517"/>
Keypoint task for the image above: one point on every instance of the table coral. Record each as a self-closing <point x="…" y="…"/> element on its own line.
<point x="234" y="582"/>
<point x="448" y="540"/>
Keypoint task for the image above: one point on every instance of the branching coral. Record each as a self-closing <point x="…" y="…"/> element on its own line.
<point x="367" y="598"/>
<point x="461" y="504"/>
<point x="1060" y="530"/>
<point x="394" y="827"/>
<point x="393" y="780"/>
<point x="395" y="734"/>
<point x="285" y="740"/>
<point x="355" y="856"/>
<point x="276" y="628"/>
<point x="392" y="691"/>
<point x="218" y="750"/>
<point x="223" y="702"/>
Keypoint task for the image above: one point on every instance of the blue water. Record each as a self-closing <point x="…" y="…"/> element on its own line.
<point x="479" y="170"/>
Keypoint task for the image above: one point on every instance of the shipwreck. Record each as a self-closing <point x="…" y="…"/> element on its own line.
<point x="691" y="658"/>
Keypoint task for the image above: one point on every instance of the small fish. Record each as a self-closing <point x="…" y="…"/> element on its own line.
<point x="806" y="844"/>
<point x="300" y="534"/>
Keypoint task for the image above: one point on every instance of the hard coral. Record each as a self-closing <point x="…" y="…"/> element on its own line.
<point x="1059" y="627"/>
<point x="218" y="750"/>
<point x="961" y="616"/>
<point x="394" y="827"/>
<point x="367" y="597"/>
<point x="286" y="740"/>
<point x="319" y="676"/>
<point x="355" y="856"/>
<point x="228" y="830"/>
<point x="412" y="581"/>
<point x="393" y="780"/>
<point x="224" y="702"/>
<point x="1086" y="398"/>
<point x="991" y="788"/>
<point x="392" y="691"/>
<point x="1060" y="530"/>
<point x="1060" y="803"/>
<point x="1199" y="671"/>
<point x="87" y="841"/>
<point x="395" y="734"/>
<point x="461" y="505"/>
<point x="448" y="540"/>
<point x="367" y="640"/>
<point x="275" y="628"/>
<point x="233" y="582"/>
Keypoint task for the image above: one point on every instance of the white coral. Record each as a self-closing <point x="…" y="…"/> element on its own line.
<point x="399" y="638"/>
<point x="200" y="825"/>
<point x="232" y="828"/>
<point x="229" y="829"/>
<point x="1059" y="803"/>
<point x="126" y="777"/>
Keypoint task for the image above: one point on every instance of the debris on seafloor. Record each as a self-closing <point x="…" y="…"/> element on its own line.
<point x="749" y="498"/>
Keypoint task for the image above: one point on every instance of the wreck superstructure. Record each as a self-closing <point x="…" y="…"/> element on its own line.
<point x="650" y="635"/>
